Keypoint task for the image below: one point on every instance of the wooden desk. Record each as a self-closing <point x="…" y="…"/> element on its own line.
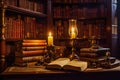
<point x="40" y="73"/>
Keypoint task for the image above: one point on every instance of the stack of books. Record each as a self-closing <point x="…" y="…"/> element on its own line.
<point x="96" y="57"/>
<point x="29" y="51"/>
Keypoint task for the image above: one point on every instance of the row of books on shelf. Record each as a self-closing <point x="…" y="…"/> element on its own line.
<point x="78" y="1"/>
<point x="75" y="12"/>
<point x="27" y="4"/>
<point x="17" y="28"/>
<point x="85" y="29"/>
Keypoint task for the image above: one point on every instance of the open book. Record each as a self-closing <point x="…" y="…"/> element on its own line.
<point x="66" y="64"/>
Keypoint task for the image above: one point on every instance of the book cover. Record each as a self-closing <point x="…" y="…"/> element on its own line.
<point x="93" y="50"/>
<point x="28" y="59"/>
<point x="98" y="59"/>
<point x="89" y="55"/>
<point x="30" y="53"/>
<point x="90" y="52"/>
<point x="34" y="48"/>
<point x="33" y="53"/>
<point x="34" y="41"/>
<point x="67" y="64"/>
<point x="34" y="44"/>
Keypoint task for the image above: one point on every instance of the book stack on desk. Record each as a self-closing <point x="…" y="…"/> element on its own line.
<point x="29" y="51"/>
<point x="96" y="56"/>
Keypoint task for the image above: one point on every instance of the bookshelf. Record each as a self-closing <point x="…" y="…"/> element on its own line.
<point x="93" y="19"/>
<point x="20" y="19"/>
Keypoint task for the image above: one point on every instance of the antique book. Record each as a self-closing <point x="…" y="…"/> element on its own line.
<point x="67" y="64"/>
<point x="30" y="53"/>
<point x="34" y="48"/>
<point x="89" y="55"/>
<point x="34" y="41"/>
<point x="34" y="44"/>
<point x="97" y="59"/>
<point x="28" y="59"/>
<point x="33" y="53"/>
<point x="92" y="50"/>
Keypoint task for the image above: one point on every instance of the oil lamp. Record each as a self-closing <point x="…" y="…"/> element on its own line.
<point x="73" y="31"/>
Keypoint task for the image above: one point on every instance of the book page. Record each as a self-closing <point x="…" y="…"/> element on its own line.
<point x="76" y="65"/>
<point x="58" y="63"/>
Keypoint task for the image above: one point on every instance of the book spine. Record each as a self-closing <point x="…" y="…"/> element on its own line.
<point x="91" y="59"/>
<point x="93" y="50"/>
<point x="34" y="44"/>
<point x="93" y="54"/>
<point x="28" y="59"/>
<point x="98" y="60"/>
<point x="34" y="48"/>
<point x="34" y="41"/>
<point x="90" y="55"/>
<point x="34" y="53"/>
<point x="32" y="58"/>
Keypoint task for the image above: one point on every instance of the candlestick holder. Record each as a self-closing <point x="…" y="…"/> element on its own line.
<point x="49" y="56"/>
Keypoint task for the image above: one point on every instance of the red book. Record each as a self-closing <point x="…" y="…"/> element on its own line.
<point x="34" y="41"/>
<point x="34" y="44"/>
<point x="34" y="53"/>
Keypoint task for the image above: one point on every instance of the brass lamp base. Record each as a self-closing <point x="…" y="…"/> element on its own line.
<point x="73" y="55"/>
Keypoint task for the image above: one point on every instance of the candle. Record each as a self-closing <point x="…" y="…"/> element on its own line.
<point x="73" y="35"/>
<point x="50" y="39"/>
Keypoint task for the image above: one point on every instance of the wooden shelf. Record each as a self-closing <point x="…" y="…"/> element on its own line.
<point x="81" y="19"/>
<point x="80" y="39"/>
<point x="25" y="11"/>
<point x="94" y="4"/>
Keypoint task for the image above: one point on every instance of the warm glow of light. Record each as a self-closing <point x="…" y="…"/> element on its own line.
<point x="50" y="34"/>
<point x="73" y="30"/>
<point x="50" y="39"/>
<point x="73" y="35"/>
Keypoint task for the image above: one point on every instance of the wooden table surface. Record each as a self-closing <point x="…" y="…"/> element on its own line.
<point x="40" y="73"/>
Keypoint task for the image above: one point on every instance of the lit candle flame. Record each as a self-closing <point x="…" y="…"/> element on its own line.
<point x="50" y="34"/>
<point x="73" y="30"/>
<point x="73" y="33"/>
